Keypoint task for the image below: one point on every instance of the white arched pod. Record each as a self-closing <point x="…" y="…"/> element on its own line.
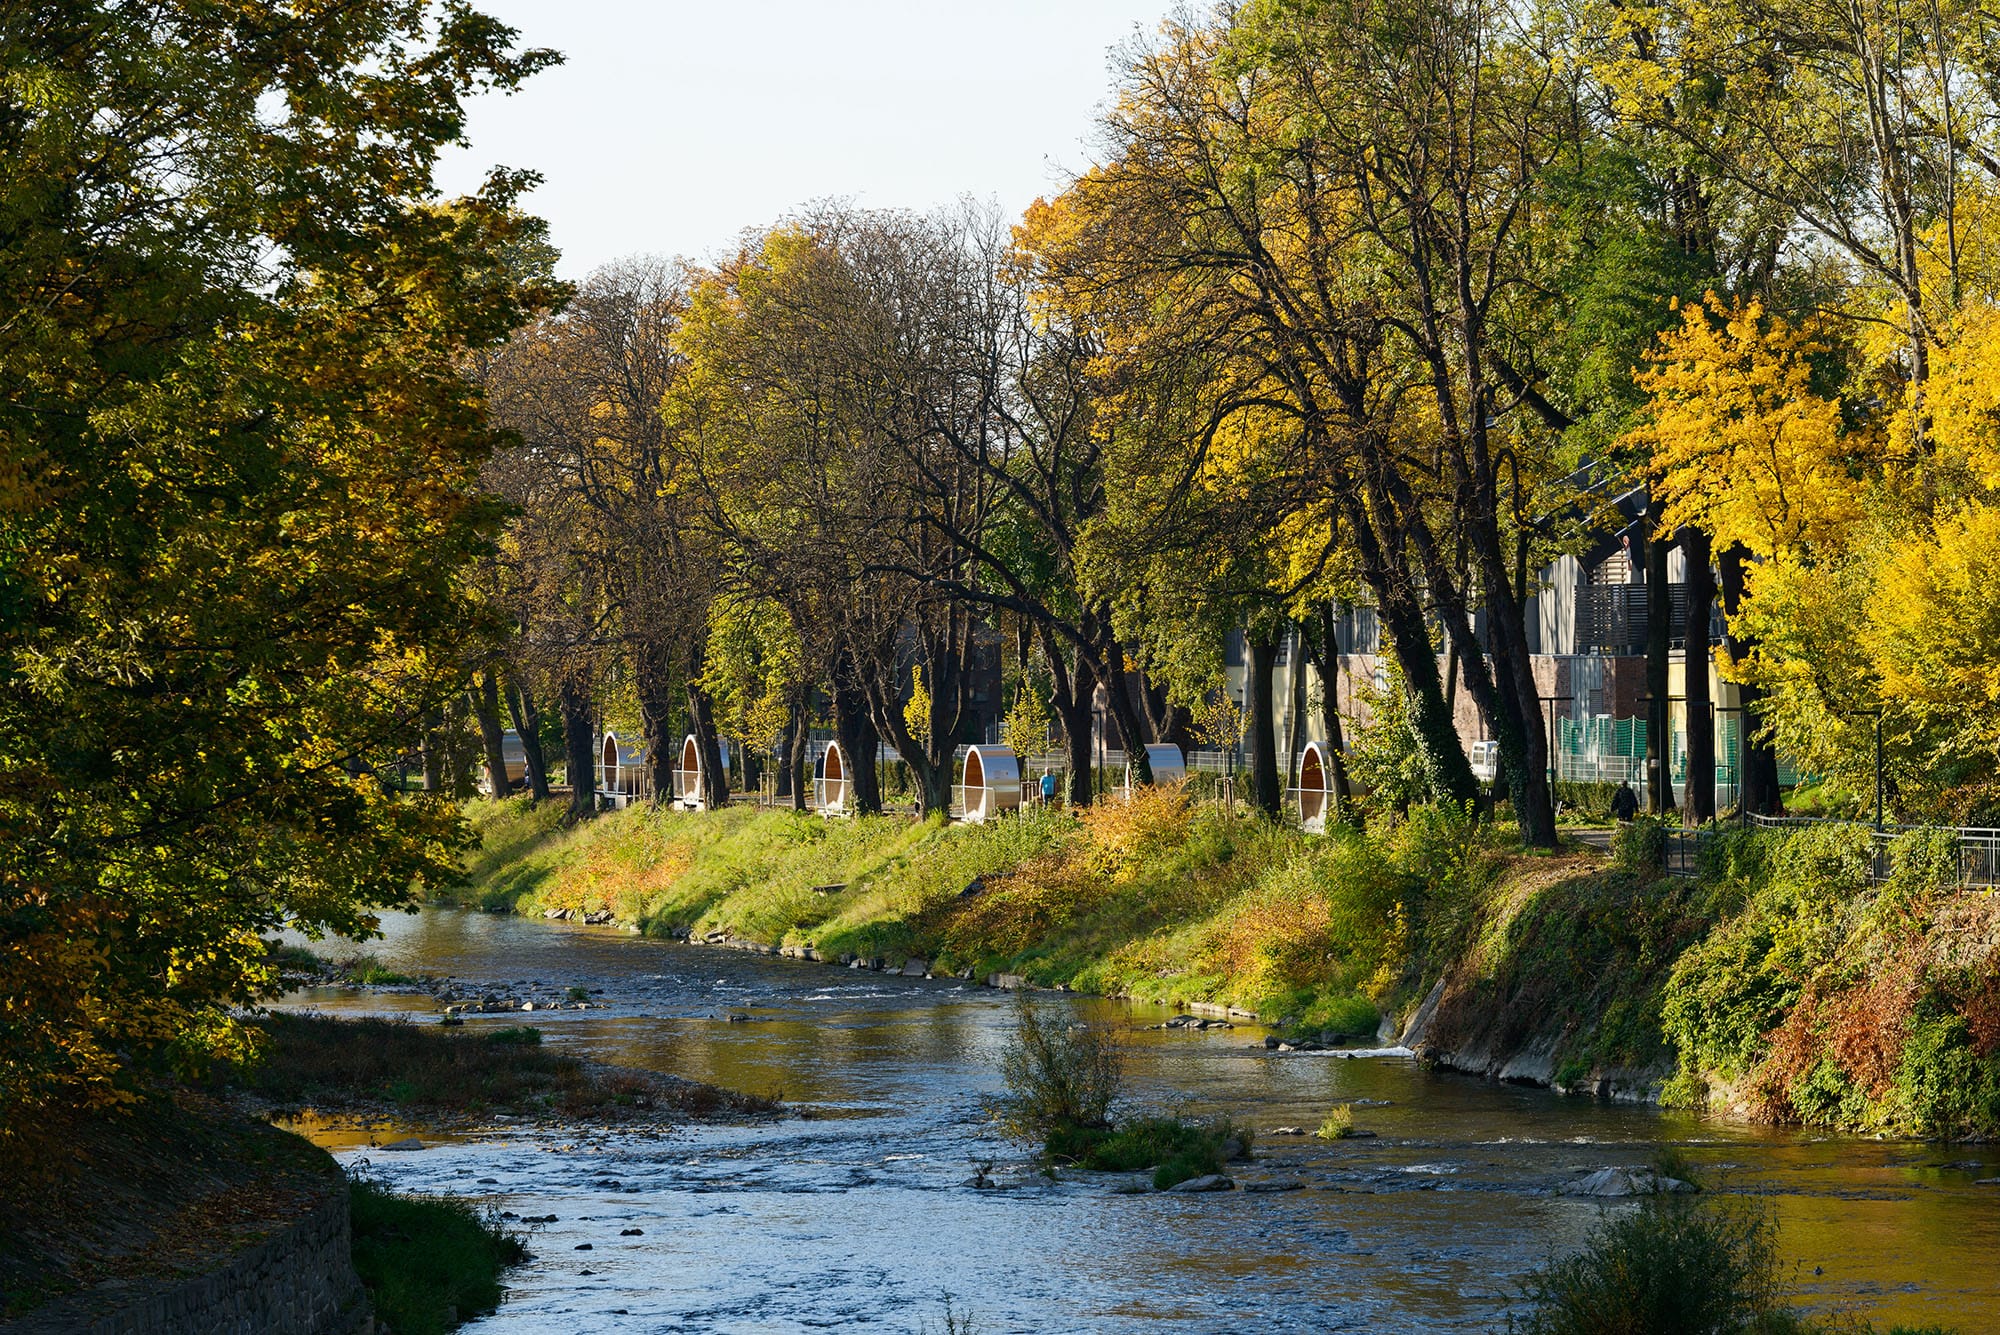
<point x="992" y="782"/>
<point x="836" y="785"/>
<point x="687" y="776"/>
<point x="1314" y="795"/>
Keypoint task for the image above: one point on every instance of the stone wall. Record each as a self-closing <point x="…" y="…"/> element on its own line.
<point x="299" y="1280"/>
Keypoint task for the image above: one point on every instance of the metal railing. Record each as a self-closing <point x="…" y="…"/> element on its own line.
<point x="1978" y="848"/>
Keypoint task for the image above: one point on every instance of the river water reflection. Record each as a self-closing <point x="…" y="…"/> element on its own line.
<point x="862" y="1215"/>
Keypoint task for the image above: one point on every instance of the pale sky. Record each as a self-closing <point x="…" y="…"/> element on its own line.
<point x="675" y="125"/>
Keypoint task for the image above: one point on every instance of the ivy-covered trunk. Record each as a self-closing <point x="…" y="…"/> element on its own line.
<point x="1700" y="804"/>
<point x="1265" y="783"/>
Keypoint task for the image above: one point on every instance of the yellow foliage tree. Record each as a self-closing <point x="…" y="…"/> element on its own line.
<point x="1963" y="396"/>
<point x="1742" y="446"/>
<point x="1932" y="636"/>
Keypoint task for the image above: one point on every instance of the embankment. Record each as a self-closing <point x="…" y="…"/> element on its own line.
<point x="1783" y="985"/>
<point x="180" y="1219"/>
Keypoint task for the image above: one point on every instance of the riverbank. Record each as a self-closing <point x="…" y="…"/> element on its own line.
<point x="1781" y="986"/>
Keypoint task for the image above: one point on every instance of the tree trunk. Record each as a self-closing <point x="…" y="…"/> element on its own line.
<point x="1700" y="805"/>
<point x="1659" y="634"/>
<point x="1757" y="759"/>
<point x="1327" y="660"/>
<point x="1264" y="778"/>
<point x="1110" y="672"/>
<point x="579" y="747"/>
<point x="653" y="683"/>
<point x="528" y="727"/>
<point x="714" y="774"/>
<point x="1402" y="621"/>
<point x="794" y="781"/>
<point x="431" y="752"/>
<point x="485" y="693"/>
<point x="859" y="742"/>
<point x="1075" y="689"/>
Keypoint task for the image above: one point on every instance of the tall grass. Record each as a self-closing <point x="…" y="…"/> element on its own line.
<point x="429" y="1262"/>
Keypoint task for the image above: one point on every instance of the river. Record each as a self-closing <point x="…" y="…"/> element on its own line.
<point x="861" y="1214"/>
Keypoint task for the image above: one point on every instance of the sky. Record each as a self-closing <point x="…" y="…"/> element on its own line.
<point x="674" y="126"/>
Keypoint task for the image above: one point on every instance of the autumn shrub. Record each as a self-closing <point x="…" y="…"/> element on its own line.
<point x="1124" y="831"/>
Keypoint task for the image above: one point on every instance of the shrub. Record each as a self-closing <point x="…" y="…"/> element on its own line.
<point x="368" y="971"/>
<point x="1641" y="844"/>
<point x="1679" y="1264"/>
<point x="427" y="1261"/>
<point x="1945" y="1089"/>
<point x="521" y="1035"/>
<point x="1061" y="1076"/>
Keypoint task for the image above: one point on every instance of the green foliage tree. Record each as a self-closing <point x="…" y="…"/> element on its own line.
<point x="238" y="478"/>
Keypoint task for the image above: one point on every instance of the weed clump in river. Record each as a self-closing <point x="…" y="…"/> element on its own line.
<point x="1680" y="1264"/>
<point x="1063" y="1078"/>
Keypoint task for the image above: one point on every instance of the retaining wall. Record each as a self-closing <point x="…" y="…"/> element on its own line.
<point x="297" y="1281"/>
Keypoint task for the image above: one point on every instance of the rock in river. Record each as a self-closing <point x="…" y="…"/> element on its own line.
<point x="1212" y="1182"/>
<point x="1625" y="1182"/>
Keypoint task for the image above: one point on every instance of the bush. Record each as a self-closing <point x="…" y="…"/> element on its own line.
<point x="1061" y="1076"/>
<point x="428" y="1262"/>
<point x="1640" y="844"/>
<point x="1679" y="1265"/>
<point x="1174" y="1148"/>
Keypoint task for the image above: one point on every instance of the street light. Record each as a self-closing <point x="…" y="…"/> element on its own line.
<point x="1551" y="700"/>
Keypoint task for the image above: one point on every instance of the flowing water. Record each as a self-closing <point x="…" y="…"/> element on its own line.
<point x="862" y="1214"/>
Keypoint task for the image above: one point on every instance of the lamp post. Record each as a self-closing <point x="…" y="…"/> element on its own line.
<point x="1550" y="701"/>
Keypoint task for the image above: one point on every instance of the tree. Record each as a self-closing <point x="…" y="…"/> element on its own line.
<point x="240" y="470"/>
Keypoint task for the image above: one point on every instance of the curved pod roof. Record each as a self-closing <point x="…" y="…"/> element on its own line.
<point x="992" y="782"/>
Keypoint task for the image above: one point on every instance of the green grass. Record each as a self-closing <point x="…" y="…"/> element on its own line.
<point x="429" y="1262"/>
<point x="1173" y="1148"/>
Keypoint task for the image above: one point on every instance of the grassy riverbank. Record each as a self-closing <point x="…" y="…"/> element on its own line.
<point x="1781" y="986"/>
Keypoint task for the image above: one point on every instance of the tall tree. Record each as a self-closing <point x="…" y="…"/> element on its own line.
<point x="240" y="475"/>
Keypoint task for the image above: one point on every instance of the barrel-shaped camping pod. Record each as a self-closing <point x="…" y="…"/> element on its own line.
<point x="992" y="782"/>
<point x="687" y="776"/>
<point x="836" y="783"/>
<point x="514" y="755"/>
<point x="1315" y="796"/>
<point x="1168" y="762"/>
<point x="621" y="771"/>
